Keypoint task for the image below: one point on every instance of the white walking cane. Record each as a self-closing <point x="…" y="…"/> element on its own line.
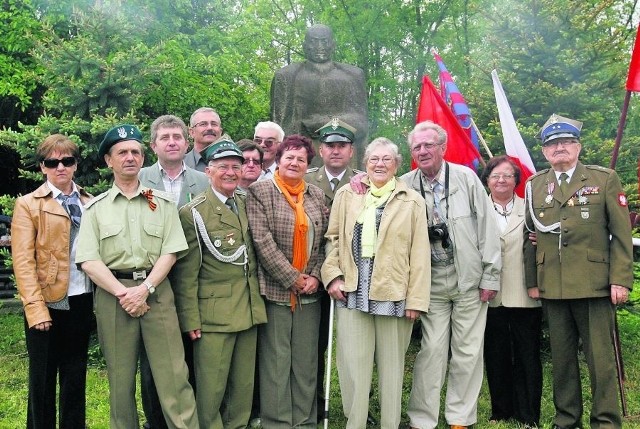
<point x="327" y="384"/>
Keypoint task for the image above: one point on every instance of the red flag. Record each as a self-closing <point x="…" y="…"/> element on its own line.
<point x="431" y="107"/>
<point x="633" y="79"/>
<point x="513" y="142"/>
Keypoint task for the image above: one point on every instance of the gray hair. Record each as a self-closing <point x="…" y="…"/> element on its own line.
<point x="382" y="142"/>
<point x="200" y="110"/>
<point x="428" y="125"/>
<point x="268" y="125"/>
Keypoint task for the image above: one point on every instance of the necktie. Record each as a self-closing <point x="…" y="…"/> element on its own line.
<point x="231" y="203"/>
<point x="563" y="183"/>
<point x="69" y="203"/>
<point x="334" y="183"/>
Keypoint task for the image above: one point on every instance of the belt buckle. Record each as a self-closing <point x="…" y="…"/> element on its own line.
<point x="139" y="275"/>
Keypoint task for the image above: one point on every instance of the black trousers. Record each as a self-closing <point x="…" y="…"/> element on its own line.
<point x="60" y="352"/>
<point x="512" y="361"/>
<point x="149" y="394"/>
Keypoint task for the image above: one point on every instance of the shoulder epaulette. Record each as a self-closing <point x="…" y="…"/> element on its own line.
<point x="198" y="199"/>
<point x="312" y="169"/>
<point x="241" y="192"/>
<point x="164" y="195"/>
<point x="539" y="173"/>
<point x="94" y="199"/>
<point x="356" y="171"/>
<point x="598" y="168"/>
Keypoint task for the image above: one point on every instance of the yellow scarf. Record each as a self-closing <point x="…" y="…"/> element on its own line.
<point x="375" y="198"/>
<point x="300" y="228"/>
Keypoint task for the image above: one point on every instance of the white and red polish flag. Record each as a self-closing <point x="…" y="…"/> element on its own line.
<point x="513" y="143"/>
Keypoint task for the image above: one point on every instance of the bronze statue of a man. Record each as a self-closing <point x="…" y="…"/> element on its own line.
<point x="306" y="95"/>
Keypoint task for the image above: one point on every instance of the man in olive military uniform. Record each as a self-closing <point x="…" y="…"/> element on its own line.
<point x="127" y="244"/>
<point x="336" y="151"/>
<point x="580" y="268"/>
<point x="217" y="292"/>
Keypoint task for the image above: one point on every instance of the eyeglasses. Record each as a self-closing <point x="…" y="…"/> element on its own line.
<point x="560" y="142"/>
<point x="267" y="142"/>
<point x="67" y="161"/>
<point x="248" y="161"/>
<point x="386" y="161"/>
<point x="428" y="146"/>
<point x="501" y="176"/>
<point x="203" y="124"/>
<point x="226" y="167"/>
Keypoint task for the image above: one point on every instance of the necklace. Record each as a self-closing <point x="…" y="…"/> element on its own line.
<point x="506" y="211"/>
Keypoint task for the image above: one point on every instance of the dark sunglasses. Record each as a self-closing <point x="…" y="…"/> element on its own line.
<point x="67" y="161"/>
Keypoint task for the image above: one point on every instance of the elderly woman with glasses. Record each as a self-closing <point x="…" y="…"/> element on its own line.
<point x="57" y="297"/>
<point x="512" y="334"/>
<point x="378" y="273"/>
<point x="288" y="220"/>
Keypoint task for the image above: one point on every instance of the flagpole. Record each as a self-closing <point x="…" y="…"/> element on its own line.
<point x="484" y="143"/>
<point x="623" y="120"/>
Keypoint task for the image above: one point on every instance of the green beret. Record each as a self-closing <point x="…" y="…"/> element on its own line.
<point x="117" y="134"/>
<point x="224" y="147"/>
<point x="336" y="131"/>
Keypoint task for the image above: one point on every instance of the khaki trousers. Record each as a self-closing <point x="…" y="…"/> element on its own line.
<point x="224" y="366"/>
<point x="363" y="339"/>
<point x="589" y="319"/>
<point x="121" y="337"/>
<point x="455" y="323"/>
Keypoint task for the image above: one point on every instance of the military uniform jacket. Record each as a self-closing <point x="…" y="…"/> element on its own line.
<point x="127" y="234"/>
<point x="591" y="248"/>
<point x="194" y="182"/>
<point x="212" y="295"/>
<point x="318" y="176"/>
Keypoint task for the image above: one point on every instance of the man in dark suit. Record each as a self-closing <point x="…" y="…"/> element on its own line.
<point x="217" y="293"/>
<point x="169" y="174"/>
<point x="580" y="268"/>
<point x="336" y="151"/>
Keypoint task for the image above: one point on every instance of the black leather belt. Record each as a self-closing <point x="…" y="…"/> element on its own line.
<point x="132" y="275"/>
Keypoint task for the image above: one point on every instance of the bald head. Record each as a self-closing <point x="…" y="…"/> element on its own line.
<point x="319" y="44"/>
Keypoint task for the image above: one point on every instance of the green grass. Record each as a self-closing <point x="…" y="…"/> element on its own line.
<point x="13" y="380"/>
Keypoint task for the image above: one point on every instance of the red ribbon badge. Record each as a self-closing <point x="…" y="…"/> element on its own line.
<point x="148" y="194"/>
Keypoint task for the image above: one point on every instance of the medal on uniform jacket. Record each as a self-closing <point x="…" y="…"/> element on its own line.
<point x="550" y="187"/>
<point x="584" y="213"/>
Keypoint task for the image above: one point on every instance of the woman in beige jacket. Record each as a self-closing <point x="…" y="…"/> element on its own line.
<point x="512" y="334"/>
<point x="57" y="297"/>
<point x="378" y="272"/>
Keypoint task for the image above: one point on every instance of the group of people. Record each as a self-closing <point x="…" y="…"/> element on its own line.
<point x="210" y="267"/>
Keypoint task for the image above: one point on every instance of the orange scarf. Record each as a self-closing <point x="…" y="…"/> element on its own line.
<point x="300" y="228"/>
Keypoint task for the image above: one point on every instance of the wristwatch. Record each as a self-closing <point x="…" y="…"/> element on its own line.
<point x="151" y="288"/>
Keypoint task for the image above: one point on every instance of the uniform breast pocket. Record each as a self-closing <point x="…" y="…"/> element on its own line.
<point x="111" y="240"/>
<point x="152" y="240"/>
<point x="226" y="241"/>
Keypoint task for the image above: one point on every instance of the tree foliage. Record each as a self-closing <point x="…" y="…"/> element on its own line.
<point x="100" y="62"/>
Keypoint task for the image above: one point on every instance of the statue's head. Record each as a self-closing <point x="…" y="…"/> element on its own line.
<point x="319" y="44"/>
